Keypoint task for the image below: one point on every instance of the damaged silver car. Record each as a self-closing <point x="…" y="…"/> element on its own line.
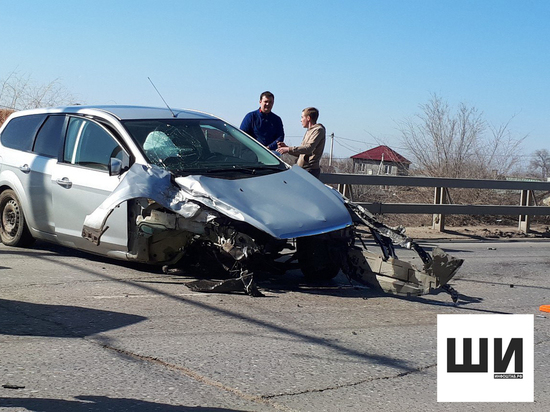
<point x="186" y="190"/>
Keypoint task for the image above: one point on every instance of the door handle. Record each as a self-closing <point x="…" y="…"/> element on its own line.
<point x="25" y="168"/>
<point x="65" y="182"/>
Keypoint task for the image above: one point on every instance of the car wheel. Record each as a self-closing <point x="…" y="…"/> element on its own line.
<point x="13" y="227"/>
<point x="316" y="261"/>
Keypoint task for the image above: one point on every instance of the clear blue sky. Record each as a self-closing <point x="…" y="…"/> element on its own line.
<point x="365" y="64"/>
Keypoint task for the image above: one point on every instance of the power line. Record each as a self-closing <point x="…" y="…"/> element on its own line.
<point x="351" y="140"/>
<point x="350" y="148"/>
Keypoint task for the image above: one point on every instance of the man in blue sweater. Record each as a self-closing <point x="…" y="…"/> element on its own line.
<point x="264" y="125"/>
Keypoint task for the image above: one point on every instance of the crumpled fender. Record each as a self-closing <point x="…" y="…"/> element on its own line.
<point x="140" y="181"/>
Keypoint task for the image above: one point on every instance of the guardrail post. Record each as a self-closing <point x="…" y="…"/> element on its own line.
<point x="440" y="198"/>
<point x="527" y="198"/>
<point x="346" y="191"/>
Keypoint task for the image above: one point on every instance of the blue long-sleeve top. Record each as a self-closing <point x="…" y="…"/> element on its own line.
<point x="265" y="128"/>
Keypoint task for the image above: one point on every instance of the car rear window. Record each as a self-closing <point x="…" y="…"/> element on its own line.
<point x="49" y="137"/>
<point x="20" y="131"/>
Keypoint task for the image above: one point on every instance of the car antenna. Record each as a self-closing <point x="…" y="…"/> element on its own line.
<point x="153" y="84"/>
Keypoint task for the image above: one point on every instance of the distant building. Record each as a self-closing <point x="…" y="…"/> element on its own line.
<point x="380" y="161"/>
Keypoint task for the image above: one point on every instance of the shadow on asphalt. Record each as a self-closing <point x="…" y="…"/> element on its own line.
<point x="44" y="252"/>
<point x="42" y="249"/>
<point x="35" y="319"/>
<point x="291" y="281"/>
<point x="100" y="404"/>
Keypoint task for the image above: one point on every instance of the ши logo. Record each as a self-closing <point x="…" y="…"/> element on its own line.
<point x="485" y="358"/>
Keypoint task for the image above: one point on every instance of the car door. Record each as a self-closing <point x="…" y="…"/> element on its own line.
<point x="81" y="182"/>
<point x="46" y="149"/>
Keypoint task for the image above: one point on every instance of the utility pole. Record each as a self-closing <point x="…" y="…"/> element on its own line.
<point x="331" y="148"/>
<point x="381" y="165"/>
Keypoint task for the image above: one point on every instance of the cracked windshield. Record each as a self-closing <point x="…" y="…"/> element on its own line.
<point x="190" y="146"/>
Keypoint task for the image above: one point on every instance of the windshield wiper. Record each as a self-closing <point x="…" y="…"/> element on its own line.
<point x="248" y="170"/>
<point x="245" y="169"/>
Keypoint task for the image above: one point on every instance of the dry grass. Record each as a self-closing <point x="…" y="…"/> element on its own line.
<point x="4" y="114"/>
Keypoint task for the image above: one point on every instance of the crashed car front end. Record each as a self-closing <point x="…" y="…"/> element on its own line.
<point x="210" y="198"/>
<point x="236" y="224"/>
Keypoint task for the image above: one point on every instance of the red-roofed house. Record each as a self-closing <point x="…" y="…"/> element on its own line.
<point x="380" y="161"/>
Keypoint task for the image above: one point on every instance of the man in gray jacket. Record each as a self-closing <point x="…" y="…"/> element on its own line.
<point x="310" y="151"/>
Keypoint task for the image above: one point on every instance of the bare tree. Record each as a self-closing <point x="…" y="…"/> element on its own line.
<point x="500" y="152"/>
<point x="18" y="92"/>
<point x="448" y="144"/>
<point x="540" y="162"/>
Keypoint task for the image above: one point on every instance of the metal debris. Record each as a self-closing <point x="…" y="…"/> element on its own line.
<point x="387" y="273"/>
<point x="244" y="283"/>
<point x="11" y="386"/>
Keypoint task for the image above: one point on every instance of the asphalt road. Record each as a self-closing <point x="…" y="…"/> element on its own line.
<point x="80" y="333"/>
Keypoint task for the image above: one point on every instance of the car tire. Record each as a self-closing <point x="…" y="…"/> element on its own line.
<point x="13" y="226"/>
<point x="315" y="259"/>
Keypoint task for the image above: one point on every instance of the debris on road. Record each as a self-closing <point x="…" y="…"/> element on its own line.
<point x="244" y="283"/>
<point x="11" y="386"/>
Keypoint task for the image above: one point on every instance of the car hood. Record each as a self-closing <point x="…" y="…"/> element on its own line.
<point x="286" y="204"/>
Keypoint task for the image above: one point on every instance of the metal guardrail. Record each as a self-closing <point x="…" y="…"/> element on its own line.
<point x="441" y="206"/>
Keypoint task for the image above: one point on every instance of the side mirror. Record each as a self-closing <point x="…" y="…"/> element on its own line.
<point x="115" y="166"/>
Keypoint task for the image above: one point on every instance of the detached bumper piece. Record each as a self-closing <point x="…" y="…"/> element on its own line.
<point x="387" y="273"/>
<point x="244" y="283"/>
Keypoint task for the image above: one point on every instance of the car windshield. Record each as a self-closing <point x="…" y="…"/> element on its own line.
<point x="190" y="146"/>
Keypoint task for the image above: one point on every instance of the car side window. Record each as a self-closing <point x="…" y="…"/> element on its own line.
<point x="49" y="137"/>
<point x="88" y="144"/>
<point x="20" y="131"/>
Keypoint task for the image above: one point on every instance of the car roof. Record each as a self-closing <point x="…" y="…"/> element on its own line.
<point x="123" y="112"/>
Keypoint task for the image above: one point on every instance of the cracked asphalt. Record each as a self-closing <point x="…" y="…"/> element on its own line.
<point x="82" y="333"/>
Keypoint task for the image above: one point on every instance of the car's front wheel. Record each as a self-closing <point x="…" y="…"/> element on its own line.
<point x="13" y="227"/>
